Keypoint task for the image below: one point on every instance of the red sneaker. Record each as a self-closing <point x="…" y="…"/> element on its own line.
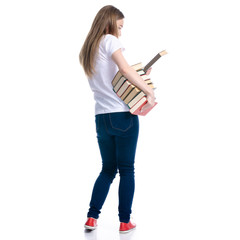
<point x="91" y="224"/>
<point x="126" y="227"/>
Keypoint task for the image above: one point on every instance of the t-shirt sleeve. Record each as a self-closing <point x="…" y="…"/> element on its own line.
<point x="112" y="44"/>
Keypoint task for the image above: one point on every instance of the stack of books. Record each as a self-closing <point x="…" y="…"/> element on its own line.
<point x="130" y="94"/>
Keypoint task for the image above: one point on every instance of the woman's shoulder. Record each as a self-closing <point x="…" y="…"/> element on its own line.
<point x="110" y="43"/>
<point x="109" y="38"/>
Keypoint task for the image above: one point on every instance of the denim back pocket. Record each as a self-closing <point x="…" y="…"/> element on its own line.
<point x="121" y="121"/>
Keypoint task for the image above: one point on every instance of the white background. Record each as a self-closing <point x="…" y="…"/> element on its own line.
<point x="187" y="163"/>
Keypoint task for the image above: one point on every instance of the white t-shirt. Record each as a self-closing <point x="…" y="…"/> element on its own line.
<point x="106" y="99"/>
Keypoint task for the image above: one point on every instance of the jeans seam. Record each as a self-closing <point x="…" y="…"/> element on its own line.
<point x="105" y="125"/>
<point x="97" y="123"/>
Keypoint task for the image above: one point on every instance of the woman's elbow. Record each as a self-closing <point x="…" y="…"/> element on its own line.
<point x="125" y="70"/>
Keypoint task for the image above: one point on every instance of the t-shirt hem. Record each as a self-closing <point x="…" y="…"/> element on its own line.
<point x="111" y="111"/>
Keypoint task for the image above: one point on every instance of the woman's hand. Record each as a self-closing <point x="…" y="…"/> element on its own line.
<point x="150" y="102"/>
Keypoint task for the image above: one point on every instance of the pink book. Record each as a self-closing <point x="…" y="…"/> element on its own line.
<point x="136" y="109"/>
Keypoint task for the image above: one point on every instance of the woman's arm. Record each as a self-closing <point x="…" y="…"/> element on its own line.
<point x="128" y="72"/>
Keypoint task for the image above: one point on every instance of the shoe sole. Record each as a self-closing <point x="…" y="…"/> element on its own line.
<point x="89" y="227"/>
<point x="127" y="231"/>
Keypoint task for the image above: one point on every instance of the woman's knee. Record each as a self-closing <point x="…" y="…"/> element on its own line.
<point x="126" y="170"/>
<point x="109" y="175"/>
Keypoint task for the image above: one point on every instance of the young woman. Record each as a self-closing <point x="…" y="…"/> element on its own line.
<point x="117" y="129"/>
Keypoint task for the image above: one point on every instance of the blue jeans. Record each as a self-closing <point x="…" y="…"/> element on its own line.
<point x="117" y="135"/>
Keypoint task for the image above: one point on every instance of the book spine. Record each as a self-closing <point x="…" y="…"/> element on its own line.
<point x="118" y="77"/>
<point x="136" y="99"/>
<point x="138" y="105"/>
<point x="127" y="92"/>
<point x="152" y="62"/>
<point x="133" y="93"/>
<point x="123" y="88"/>
<point x="119" y="84"/>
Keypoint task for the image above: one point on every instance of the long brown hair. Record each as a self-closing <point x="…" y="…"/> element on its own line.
<point x="103" y="23"/>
